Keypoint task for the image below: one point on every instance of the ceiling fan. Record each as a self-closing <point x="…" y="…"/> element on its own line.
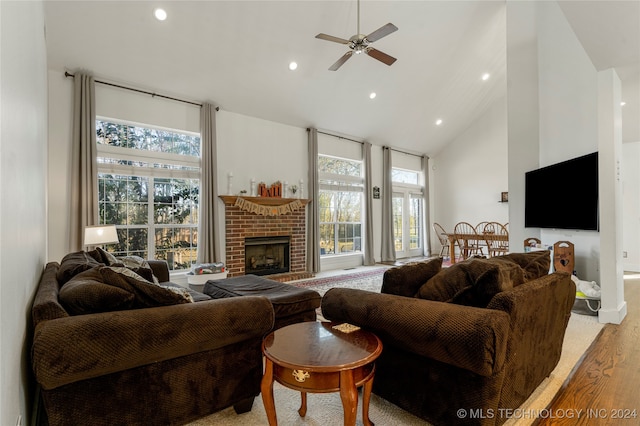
<point x="360" y="43"/>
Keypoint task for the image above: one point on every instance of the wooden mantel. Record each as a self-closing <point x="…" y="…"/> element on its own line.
<point x="230" y="200"/>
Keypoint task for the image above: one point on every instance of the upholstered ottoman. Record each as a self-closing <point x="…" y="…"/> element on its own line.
<point x="290" y="304"/>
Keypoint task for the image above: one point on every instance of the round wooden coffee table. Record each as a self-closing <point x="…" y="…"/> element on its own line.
<point x="321" y="357"/>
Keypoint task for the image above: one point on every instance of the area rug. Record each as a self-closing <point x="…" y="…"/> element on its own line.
<point x="369" y="279"/>
<point x="325" y="409"/>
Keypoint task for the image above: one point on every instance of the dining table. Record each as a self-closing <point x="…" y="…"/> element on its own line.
<point x="467" y="237"/>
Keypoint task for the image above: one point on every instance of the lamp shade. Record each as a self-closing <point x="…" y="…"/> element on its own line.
<point x="101" y="234"/>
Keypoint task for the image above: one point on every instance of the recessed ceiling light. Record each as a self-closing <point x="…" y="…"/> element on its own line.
<point x="160" y="14"/>
<point x="623" y="103"/>
<point x="372" y="95"/>
<point x="293" y="66"/>
<point x="485" y="76"/>
<point x="438" y="122"/>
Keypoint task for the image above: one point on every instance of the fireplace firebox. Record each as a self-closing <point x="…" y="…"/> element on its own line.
<point x="266" y="255"/>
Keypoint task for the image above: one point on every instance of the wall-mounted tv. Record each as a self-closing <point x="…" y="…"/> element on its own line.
<point x="563" y="195"/>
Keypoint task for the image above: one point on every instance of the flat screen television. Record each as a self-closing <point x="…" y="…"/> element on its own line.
<point x="563" y="195"/>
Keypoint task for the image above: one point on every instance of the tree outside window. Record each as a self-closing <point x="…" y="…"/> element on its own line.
<point x="135" y="163"/>
<point x="340" y="205"/>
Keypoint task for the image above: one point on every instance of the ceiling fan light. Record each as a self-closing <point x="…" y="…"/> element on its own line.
<point x="293" y="66"/>
<point x="439" y="122"/>
<point x="485" y="76"/>
<point x="372" y="95"/>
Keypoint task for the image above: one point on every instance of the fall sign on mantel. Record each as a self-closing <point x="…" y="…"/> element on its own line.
<point x="275" y="190"/>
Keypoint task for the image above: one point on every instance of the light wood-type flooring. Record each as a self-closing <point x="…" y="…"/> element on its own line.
<point x="604" y="389"/>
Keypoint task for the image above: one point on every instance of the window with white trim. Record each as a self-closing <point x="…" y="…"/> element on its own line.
<point x="408" y="216"/>
<point x="148" y="186"/>
<point x="341" y="185"/>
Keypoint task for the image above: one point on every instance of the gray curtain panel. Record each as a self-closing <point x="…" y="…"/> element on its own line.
<point x="425" y="196"/>
<point x="369" y="258"/>
<point x="313" y="225"/>
<point x="84" y="176"/>
<point x="208" y="226"/>
<point x="388" y="247"/>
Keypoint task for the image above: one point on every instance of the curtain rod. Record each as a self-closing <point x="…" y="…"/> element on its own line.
<point x="68" y="74"/>
<point x="339" y="137"/>
<point x="407" y="153"/>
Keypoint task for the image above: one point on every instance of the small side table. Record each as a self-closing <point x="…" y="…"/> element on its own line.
<point x="321" y="357"/>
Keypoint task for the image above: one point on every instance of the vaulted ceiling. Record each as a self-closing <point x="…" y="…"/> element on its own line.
<point x="236" y="55"/>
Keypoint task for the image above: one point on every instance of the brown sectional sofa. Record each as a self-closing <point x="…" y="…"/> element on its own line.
<point x="464" y="344"/>
<point x="142" y="365"/>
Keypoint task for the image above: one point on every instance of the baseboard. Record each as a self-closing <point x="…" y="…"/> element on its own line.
<point x="613" y="316"/>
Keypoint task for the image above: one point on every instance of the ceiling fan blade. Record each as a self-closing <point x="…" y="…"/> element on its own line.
<point x="384" y="30"/>
<point x="382" y="57"/>
<point x="340" y="61"/>
<point x="332" y="38"/>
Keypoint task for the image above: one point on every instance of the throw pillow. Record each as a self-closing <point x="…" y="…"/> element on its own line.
<point x="73" y="264"/>
<point x="502" y="277"/>
<point x="450" y="281"/>
<point x="137" y="265"/>
<point x="405" y="280"/>
<point x="103" y="256"/>
<point x="535" y="264"/>
<point x="86" y="293"/>
<point x="147" y="293"/>
<point x="473" y="282"/>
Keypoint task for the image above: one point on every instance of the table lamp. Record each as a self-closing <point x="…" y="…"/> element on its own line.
<point x="100" y="234"/>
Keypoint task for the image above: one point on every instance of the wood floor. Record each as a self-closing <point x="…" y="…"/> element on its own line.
<point x="605" y="388"/>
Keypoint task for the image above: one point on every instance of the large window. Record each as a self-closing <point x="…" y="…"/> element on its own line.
<point x="408" y="217"/>
<point x="340" y="205"/>
<point x="148" y="183"/>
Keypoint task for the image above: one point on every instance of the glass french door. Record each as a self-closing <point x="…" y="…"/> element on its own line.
<point x="408" y="223"/>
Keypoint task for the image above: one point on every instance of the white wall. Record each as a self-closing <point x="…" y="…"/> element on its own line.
<point x="565" y="103"/>
<point x="631" y="205"/>
<point x="23" y="227"/>
<point x="568" y="110"/>
<point x="467" y="177"/>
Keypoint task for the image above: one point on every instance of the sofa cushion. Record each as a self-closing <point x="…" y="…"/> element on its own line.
<point x="535" y="264"/>
<point x="472" y="283"/>
<point x="113" y="288"/>
<point x="73" y="264"/>
<point x="87" y="293"/>
<point x="405" y="280"/>
<point x="196" y="296"/>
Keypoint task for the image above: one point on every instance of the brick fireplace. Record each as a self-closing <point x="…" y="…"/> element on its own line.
<point x="253" y="219"/>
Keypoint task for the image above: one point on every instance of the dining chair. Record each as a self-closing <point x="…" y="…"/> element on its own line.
<point x="442" y="237"/>
<point x="480" y="231"/>
<point x="496" y="247"/>
<point x="467" y="239"/>
<point x="531" y="242"/>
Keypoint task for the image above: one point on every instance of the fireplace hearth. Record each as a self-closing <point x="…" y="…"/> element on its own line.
<point x="267" y="255"/>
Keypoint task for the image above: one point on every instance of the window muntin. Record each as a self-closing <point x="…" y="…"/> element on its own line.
<point x="340" y="205"/>
<point x="134" y="162"/>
